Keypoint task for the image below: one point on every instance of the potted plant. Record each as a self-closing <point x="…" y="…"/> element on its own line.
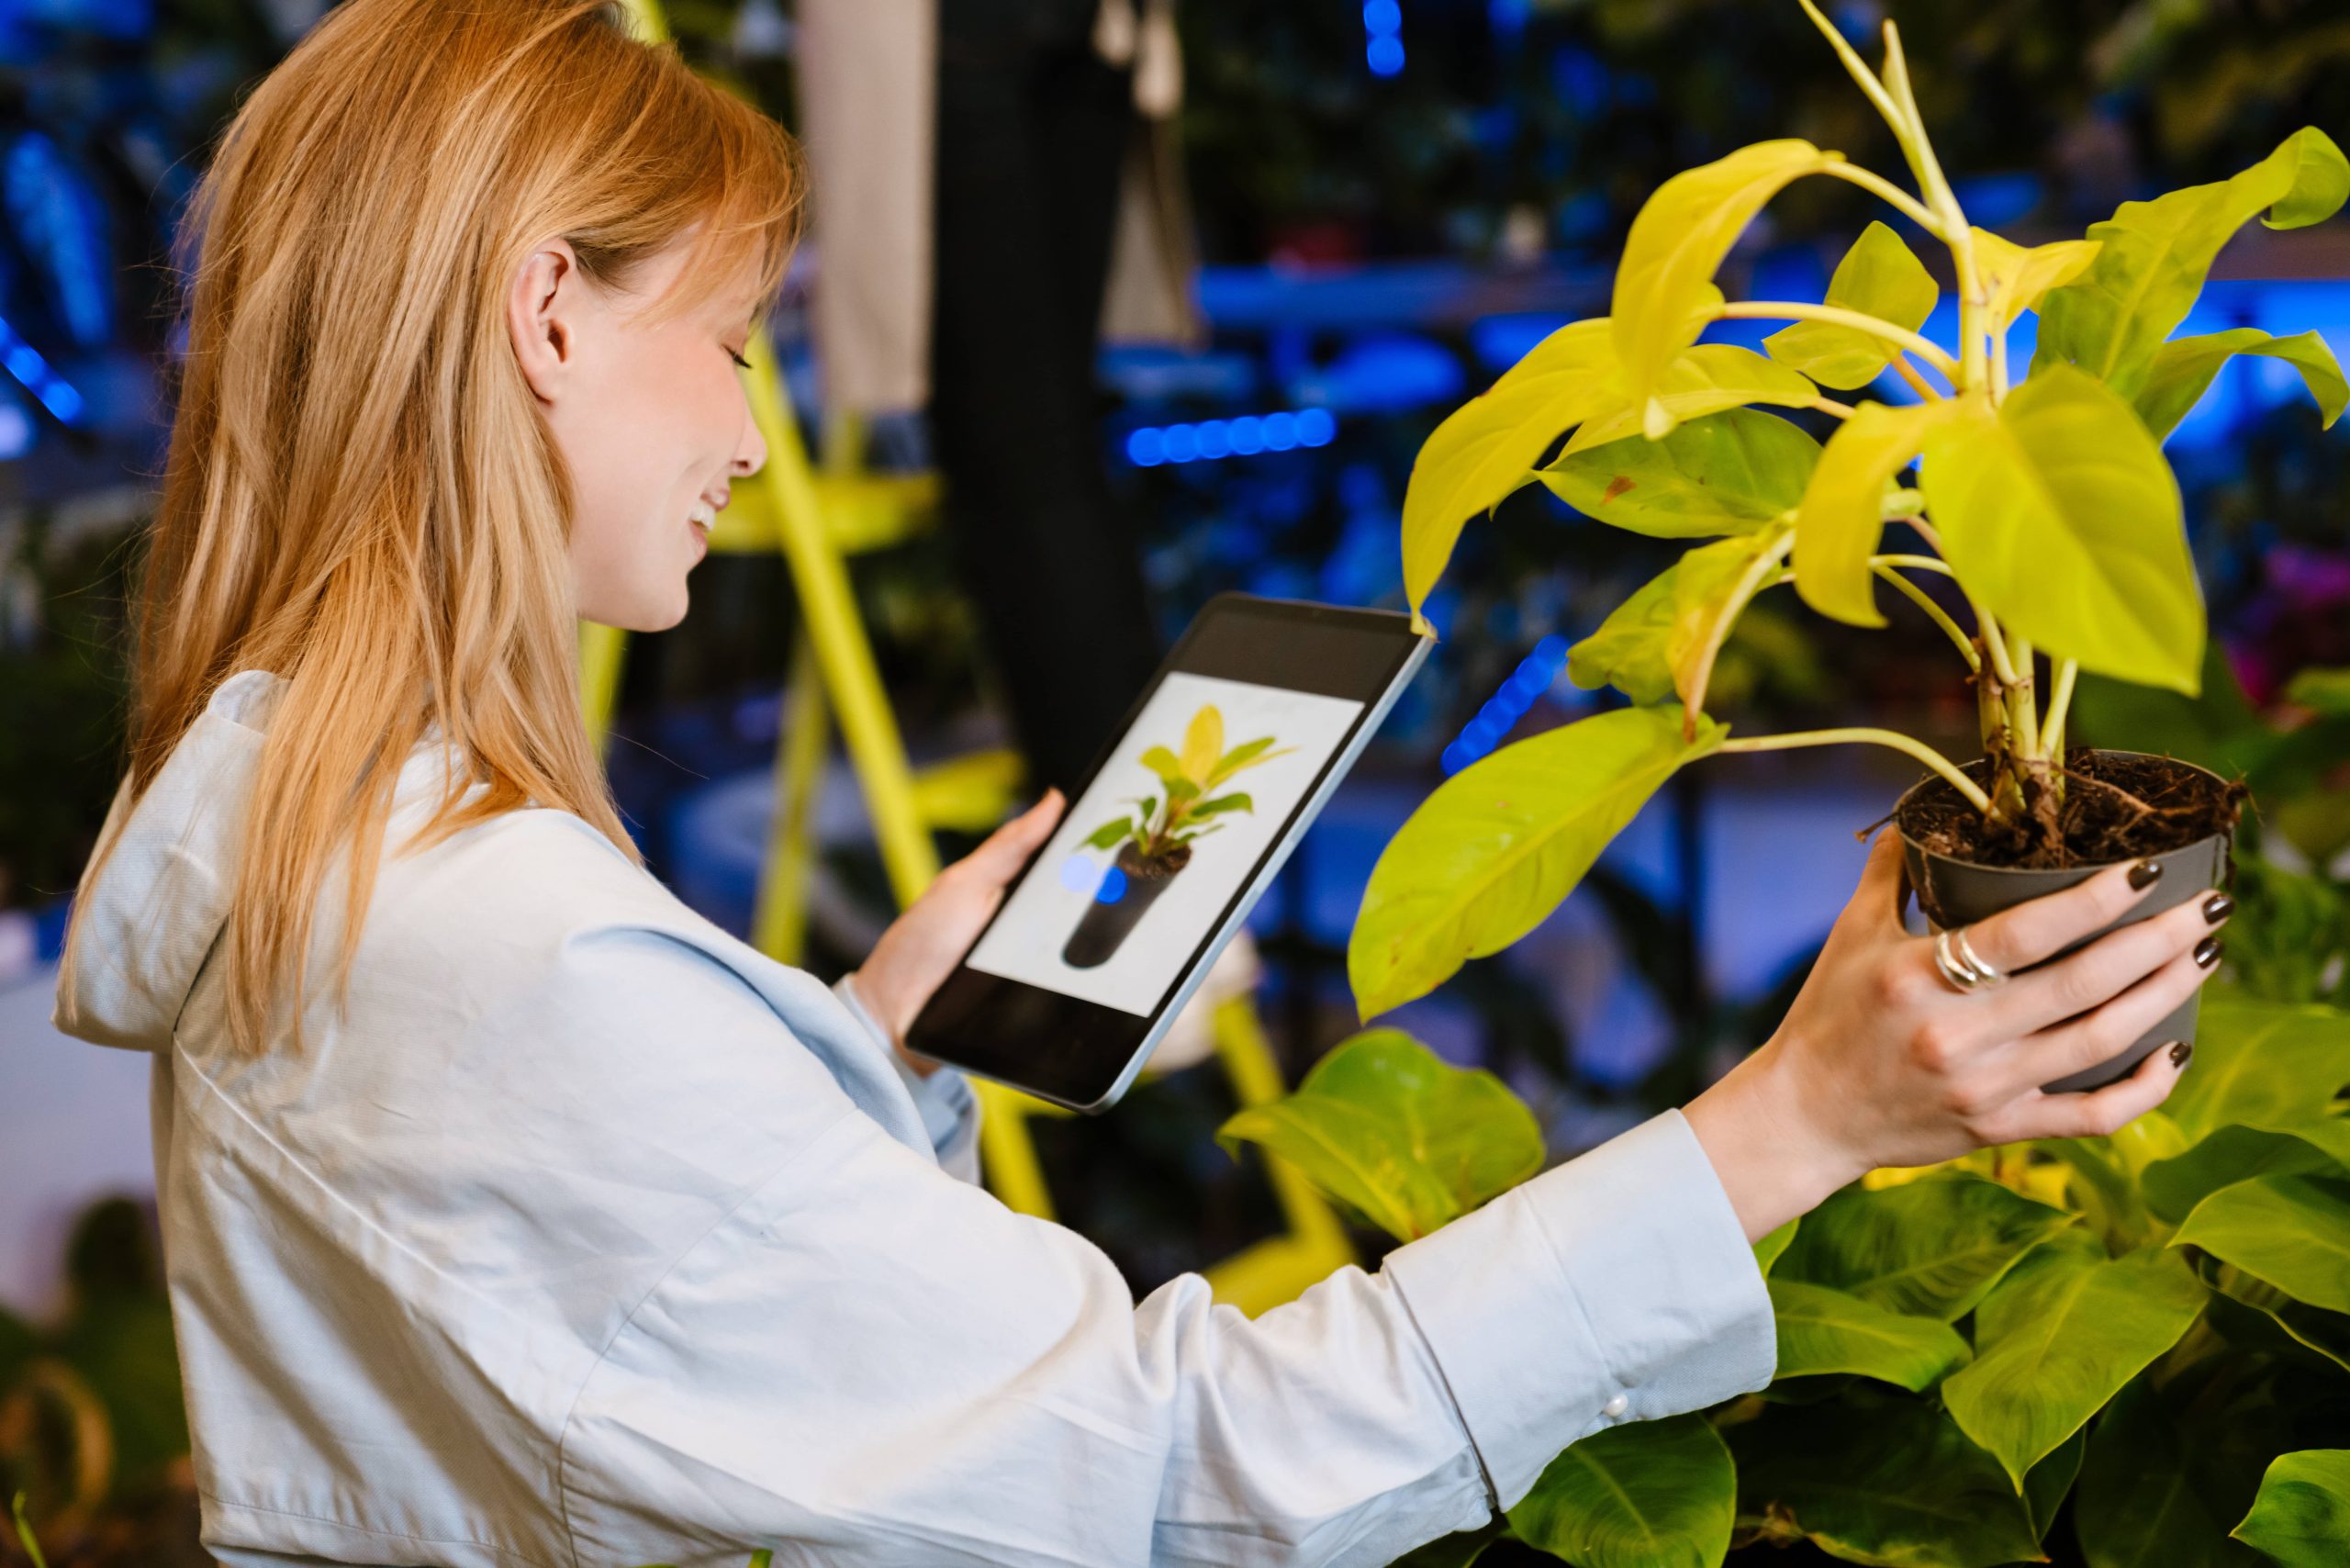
<point x="1154" y="840"/>
<point x="2044" y="500"/>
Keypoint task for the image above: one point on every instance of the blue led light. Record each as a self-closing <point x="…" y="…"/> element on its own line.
<point x="1381" y="17"/>
<point x="1214" y="442"/>
<point x="1384" y="55"/>
<point x="1182" y="443"/>
<point x="1113" y="888"/>
<point x="1147" y="447"/>
<point x="1501" y="711"/>
<point x="1243" y="435"/>
<point x="1247" y="435"/>
<point x="1315" y="426"/>
<point x="1281" y="431"/>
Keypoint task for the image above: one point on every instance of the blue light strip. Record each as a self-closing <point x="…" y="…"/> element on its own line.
<point x="1245" y="435"/>
<point x="1383" y="43"/>
<point x="1505" y="707"/>
<point x="23" y="361"/>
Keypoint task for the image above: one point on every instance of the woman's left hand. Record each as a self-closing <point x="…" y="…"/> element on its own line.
<point x="922" y="946"/>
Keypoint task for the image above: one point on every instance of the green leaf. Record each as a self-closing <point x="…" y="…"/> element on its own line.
<point x="1643" y="1495"/>
<point x="2301" y="1517"/>
<point x="1164" y="763"/>
<point x="1487" y="447"/>
<point x="1823" y="1330"/>
<point x="2161" y="1479"/>
<point x="2271" y="1065"/>
<point x="2182" y="370"/>
<point x="1767" y="1250"/>
<point x="1222" y="803"/>
<point x="1659" y="641"/>
<point x="1108" y="832"/>
<point x="1842" y="516"/>
<point x="1248" y="755"/>
<point x="2059" y="1336"/>
<point x="1458" y="1549"/>
<point x="1676" y="242"/>
<point x="2051" y="1479"/>
<point x="2292" y="1232"/>
<point x="1879" y="276"/>
<point x="1707" y="379"/>
<point x="2059" y="513"/>
<point x="2232" y="1154"/>
<point x="2154" y="255"/>
<point x="1879" y="1477"/>
<point x="2251" y="1314"/>
<point x="2327" y="690"/>
<point x="1408" y="1139"/>
<point x="1500" y="843"/>
<point x="1728" y="472"/>
<point x="1932" y="1248"/>
<point x="2015" y="277"/>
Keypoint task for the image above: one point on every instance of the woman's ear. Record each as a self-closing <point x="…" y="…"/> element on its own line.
<point x="543" y="303"/>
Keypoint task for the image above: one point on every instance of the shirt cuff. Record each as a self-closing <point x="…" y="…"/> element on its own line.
<point x="949" y="1106"/>
<point x="1618" y="1287"/>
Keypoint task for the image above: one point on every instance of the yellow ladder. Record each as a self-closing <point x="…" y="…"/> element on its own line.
<point x="818" y="518"/>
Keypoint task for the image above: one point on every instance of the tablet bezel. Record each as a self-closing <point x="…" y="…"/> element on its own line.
<point x="1084" y="1054"/>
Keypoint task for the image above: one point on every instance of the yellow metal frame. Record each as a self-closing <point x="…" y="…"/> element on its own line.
<point x="817" y="518"/>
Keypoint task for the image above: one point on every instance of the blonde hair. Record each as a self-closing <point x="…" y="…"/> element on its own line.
<point x="361" y="495"/>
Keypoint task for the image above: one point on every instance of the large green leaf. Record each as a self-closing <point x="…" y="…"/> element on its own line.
<point x="2293" y="1232"/>
<point x="1932" y="1248"/>
<point x="2251" y="1314"/>
<point x="2016" y="276"/>
<point x="1643" y="1495"/>
<point x="2301" y="1517"/>
<point x="1879" y="1477"/>
<point x="1843" y="513"/>
<point x="1767" y="1250"/>
<point x="1676" y="242"/>
<point x="2059" y="513"/>
<point x="1408" y="1139"/>
<point x="1705" y="380"/>
<point x="1823" y="1331"/>
<point x="1500" y="843"/>
<point x="2154" y="255"/>
<point x="1487" y="447"/>
<point x="1879" y="276"/>
<point x="2232" y="1154"/>
<point x="2059" y="1337"/>
<point x="2161" y="1480"/>
<point x="2182" y="368"/>
<point x="1656" y="643"/>
<point x="2271" y="1065"/>
<point x="1728" y="472"/>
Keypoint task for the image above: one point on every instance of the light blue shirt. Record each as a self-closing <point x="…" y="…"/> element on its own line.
<point x="590" y="1235"/>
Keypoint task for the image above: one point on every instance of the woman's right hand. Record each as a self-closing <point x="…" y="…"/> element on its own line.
<point x="1881" y="1062"/>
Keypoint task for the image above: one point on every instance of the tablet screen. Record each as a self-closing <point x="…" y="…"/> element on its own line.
<point x="1138" y="872"/>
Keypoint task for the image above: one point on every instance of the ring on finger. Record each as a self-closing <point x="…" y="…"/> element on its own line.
<point x="1960" y="966"/>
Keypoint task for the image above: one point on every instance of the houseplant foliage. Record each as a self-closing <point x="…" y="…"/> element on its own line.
<point x="2045" y="497"/>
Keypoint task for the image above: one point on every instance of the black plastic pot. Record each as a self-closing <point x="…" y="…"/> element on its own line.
<point x="1959" y="892"/>
<point x="1104" y="927"/>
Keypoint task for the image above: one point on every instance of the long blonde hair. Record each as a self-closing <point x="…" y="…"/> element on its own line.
<point x="361" y="495"/>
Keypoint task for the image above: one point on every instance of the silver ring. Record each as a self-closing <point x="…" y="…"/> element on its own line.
<point x="1961" y="967"/>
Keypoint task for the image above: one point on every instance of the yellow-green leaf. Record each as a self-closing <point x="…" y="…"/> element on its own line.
<point x="1391" y="1129"/>
<point x="1202" y="744"/>
<point x="1500" y="843"/>
<point x="2182" y="368"/>
<point x="1932" y="1248"/>
<point x="1703" y="380"/>
<point x="2060" y="1338"/>
<point x="1643" y="1495"/>
<point x="1823" y="1330"/>
<point x="1843" y="513"/>
<point x="1661" y="641"/>
<point x="1677" y="242"/>
<point x="1487" y="447"/>
<point x="2290" y="1231"/>
<point x="1728" y="472"/>
<point x="2154" y="255"/>
<point x="1879" y="276"/>
<point x="2016" y="278"/>
<point x="2302" y="1518"/>
<point x="2059" y="513"/>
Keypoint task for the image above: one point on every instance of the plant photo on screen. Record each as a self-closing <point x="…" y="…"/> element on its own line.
<point x="2125" y="1352"/>
<point x="1154" y="840"/>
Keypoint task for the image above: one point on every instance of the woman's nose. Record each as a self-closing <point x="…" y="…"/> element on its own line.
<point x="751" y="454"/>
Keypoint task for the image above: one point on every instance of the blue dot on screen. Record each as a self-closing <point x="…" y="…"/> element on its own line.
<point x="1384" y="55"/>
<point x="1146" y="448"/>
<point x="1113" y="888"/>
<point x="1315" y="426"/>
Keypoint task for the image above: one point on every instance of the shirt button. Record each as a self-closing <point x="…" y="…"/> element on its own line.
<point x="1616" y="1407"/>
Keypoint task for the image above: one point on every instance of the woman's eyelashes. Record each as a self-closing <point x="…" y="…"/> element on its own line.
<point x="738" y="359"/>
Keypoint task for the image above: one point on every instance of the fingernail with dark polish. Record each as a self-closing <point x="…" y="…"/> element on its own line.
<point x="2144" y="872"/>
<point x="2179" y="1053"/>
<point x="2207" y="952"/>
<point x="2217" y="908"/>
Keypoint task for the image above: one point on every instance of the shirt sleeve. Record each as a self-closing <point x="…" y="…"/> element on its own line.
<point x="949" y="1106"/>
<point x="877" y="1364"/>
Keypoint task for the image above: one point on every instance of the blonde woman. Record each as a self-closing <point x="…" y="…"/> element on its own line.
<point x="515" y="1215"/>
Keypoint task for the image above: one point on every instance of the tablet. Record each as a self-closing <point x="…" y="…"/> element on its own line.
<point x="1179" y="827"/>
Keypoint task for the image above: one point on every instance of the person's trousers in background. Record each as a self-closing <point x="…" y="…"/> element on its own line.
<point x="1033" y="130"/>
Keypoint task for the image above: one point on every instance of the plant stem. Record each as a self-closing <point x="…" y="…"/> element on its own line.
<point x="2051" y="731"/>
<point x="1924" y="348"/>
<point x="1894" y="738"/>
<point x="1882" y="567"/>
<point x="1831" y="405"/>
<point x="1748" y="583"/>
<point x="1917" y="384"/>
<point x="1878" y="186"/>
<point x="1917" y="563"/>
<point x="2027" y="703"/>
